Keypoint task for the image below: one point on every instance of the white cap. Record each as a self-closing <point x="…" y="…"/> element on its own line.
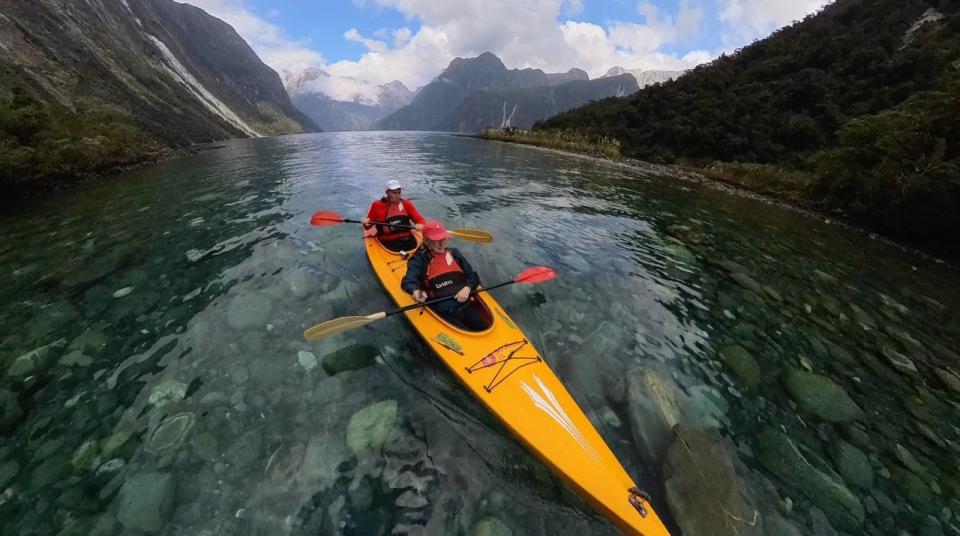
<point x="392" y="184"/>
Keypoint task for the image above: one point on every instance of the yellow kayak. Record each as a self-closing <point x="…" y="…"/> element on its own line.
<point x="501" y="367"/>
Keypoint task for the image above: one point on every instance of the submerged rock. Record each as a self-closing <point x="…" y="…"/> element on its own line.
<point x="353" y="357"/>
<point x="610" y="417"/>
<point x="246" y="450"/>
<point x="146" y="502"/>
<point x="654" y="408"/>
<point x="949" y="377"/>
<point x="92" y="341"/>
<point x="703" y="491"/>
<point x="51" y="318"/>
<point x="167" y="392"/>
<point x="324" y="453"/>
<point x="206" y="447"/>
<point x="918" y="493"/>
<point x="28" y="363"/>
<point x="780" y="456"/>
<point x="490" y="526"/>
<point x="10" y="412"/>
<point x="249" y="311"/>
<point x="76" y="358"/>
<point x="743" y="365"/>
<point x="820" y="397"/>
<point x="372" y="426"/>
<point x="852" y="464"/>
<point x="123" y="292"/>
<point x="85" y="455"/>
<point x="8" y="471"/>
<point x="899" y="361"/>
<point x="171" y="433"/>
<point x="307" y="360"/>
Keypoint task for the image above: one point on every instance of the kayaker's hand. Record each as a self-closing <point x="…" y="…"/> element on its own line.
<point x="419" y="226"/>
<point x="420" y="296"/>
<point x="463" y="295"/>
<point x="365" y="222"/>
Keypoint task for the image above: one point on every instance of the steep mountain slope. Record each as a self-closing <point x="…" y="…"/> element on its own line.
<point x="170" y="71"/>
<point x="435" y="101"/>
<point x="521" y="108"/>
<point x="860" y="99"/>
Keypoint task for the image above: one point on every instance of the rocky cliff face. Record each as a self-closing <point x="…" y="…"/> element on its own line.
<point x="521" y="108"/>
<point x="435" y="102"/>
<point x="180" y="75"/>
<point x="645" y="78"/>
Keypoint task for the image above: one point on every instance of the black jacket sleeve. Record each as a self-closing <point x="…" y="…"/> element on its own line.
<point x="416" y="272"/>
<point x="473" y="278"/>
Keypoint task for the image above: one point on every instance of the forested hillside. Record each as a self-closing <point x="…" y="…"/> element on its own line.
<point x="89" y="86"/>
<point x="861" y="99"/>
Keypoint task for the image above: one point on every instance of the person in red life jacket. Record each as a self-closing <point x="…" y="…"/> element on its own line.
<point x="437" y="271"/>
<point x="392" y="209"/>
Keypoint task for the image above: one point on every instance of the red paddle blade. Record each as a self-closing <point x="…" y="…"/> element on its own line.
<point x="325" y="218"/>
<point x="535" y="274"/>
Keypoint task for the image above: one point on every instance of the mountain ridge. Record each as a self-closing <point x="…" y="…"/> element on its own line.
<point x="171" y="72"/>
<point x="433" y="105"/>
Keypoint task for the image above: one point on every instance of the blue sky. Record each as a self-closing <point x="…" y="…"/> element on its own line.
<point x="376" y="41"/>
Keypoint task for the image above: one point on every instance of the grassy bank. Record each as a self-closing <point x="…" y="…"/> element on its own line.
<point x="562" y="140"/>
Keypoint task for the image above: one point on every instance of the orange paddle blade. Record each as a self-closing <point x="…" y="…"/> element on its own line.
<point x="325" y="218"/>
<point x="535" y="274"/>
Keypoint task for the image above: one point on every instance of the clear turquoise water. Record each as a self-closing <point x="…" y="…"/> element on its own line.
<point x="171" y="390"/>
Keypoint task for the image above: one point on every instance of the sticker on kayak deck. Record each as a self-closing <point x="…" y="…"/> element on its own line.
<point x="545" y="401"/>
<point x="449" y="343"/>
<point x="506" y="319"/>
<point x="505" y="361"/>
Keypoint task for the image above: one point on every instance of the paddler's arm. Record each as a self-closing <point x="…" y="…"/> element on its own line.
<point x="415" y="268"/>
<point x="371" y="215"/>
<point x="414" y="214"/>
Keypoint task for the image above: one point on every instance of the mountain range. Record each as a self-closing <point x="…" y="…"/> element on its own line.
<point x="474" y="93"/>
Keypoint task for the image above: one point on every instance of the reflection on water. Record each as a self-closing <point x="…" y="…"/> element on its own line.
<point x="755" y="371"/>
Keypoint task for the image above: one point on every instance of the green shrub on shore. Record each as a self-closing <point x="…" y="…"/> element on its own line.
<point x="564" y="140"/>
<point x="788" y="185"/>
<point x="42" y="141"/>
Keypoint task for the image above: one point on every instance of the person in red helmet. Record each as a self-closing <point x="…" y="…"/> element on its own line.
<point x="392" y="210"/>
<point x="436" y="271"/>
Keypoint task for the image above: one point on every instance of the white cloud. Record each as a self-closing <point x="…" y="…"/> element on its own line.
<point x="541" y="34"/>
<point x="755" y="18"/>
<point x="372" y="45"/>
<point x="267" y="39"/>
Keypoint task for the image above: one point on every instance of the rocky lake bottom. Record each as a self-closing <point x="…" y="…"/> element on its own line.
<point x="756" y="371"/>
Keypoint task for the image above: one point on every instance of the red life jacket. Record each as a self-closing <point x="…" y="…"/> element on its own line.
<point x="445" y="277"/>
<point x="396" y="215"/>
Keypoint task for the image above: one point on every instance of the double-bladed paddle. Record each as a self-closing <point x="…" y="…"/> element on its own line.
<point x="326" y="218"/>
<point x="530" y="276"/>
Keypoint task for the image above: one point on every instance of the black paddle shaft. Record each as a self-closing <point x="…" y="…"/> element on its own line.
<point x="380" y="223"/>
<point x="438" y="300"/>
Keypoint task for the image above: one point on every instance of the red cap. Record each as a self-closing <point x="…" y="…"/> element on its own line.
<point x="434" y="230"/>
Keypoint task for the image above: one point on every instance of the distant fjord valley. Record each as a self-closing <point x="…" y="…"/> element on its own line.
<point x="471" y="94"/>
